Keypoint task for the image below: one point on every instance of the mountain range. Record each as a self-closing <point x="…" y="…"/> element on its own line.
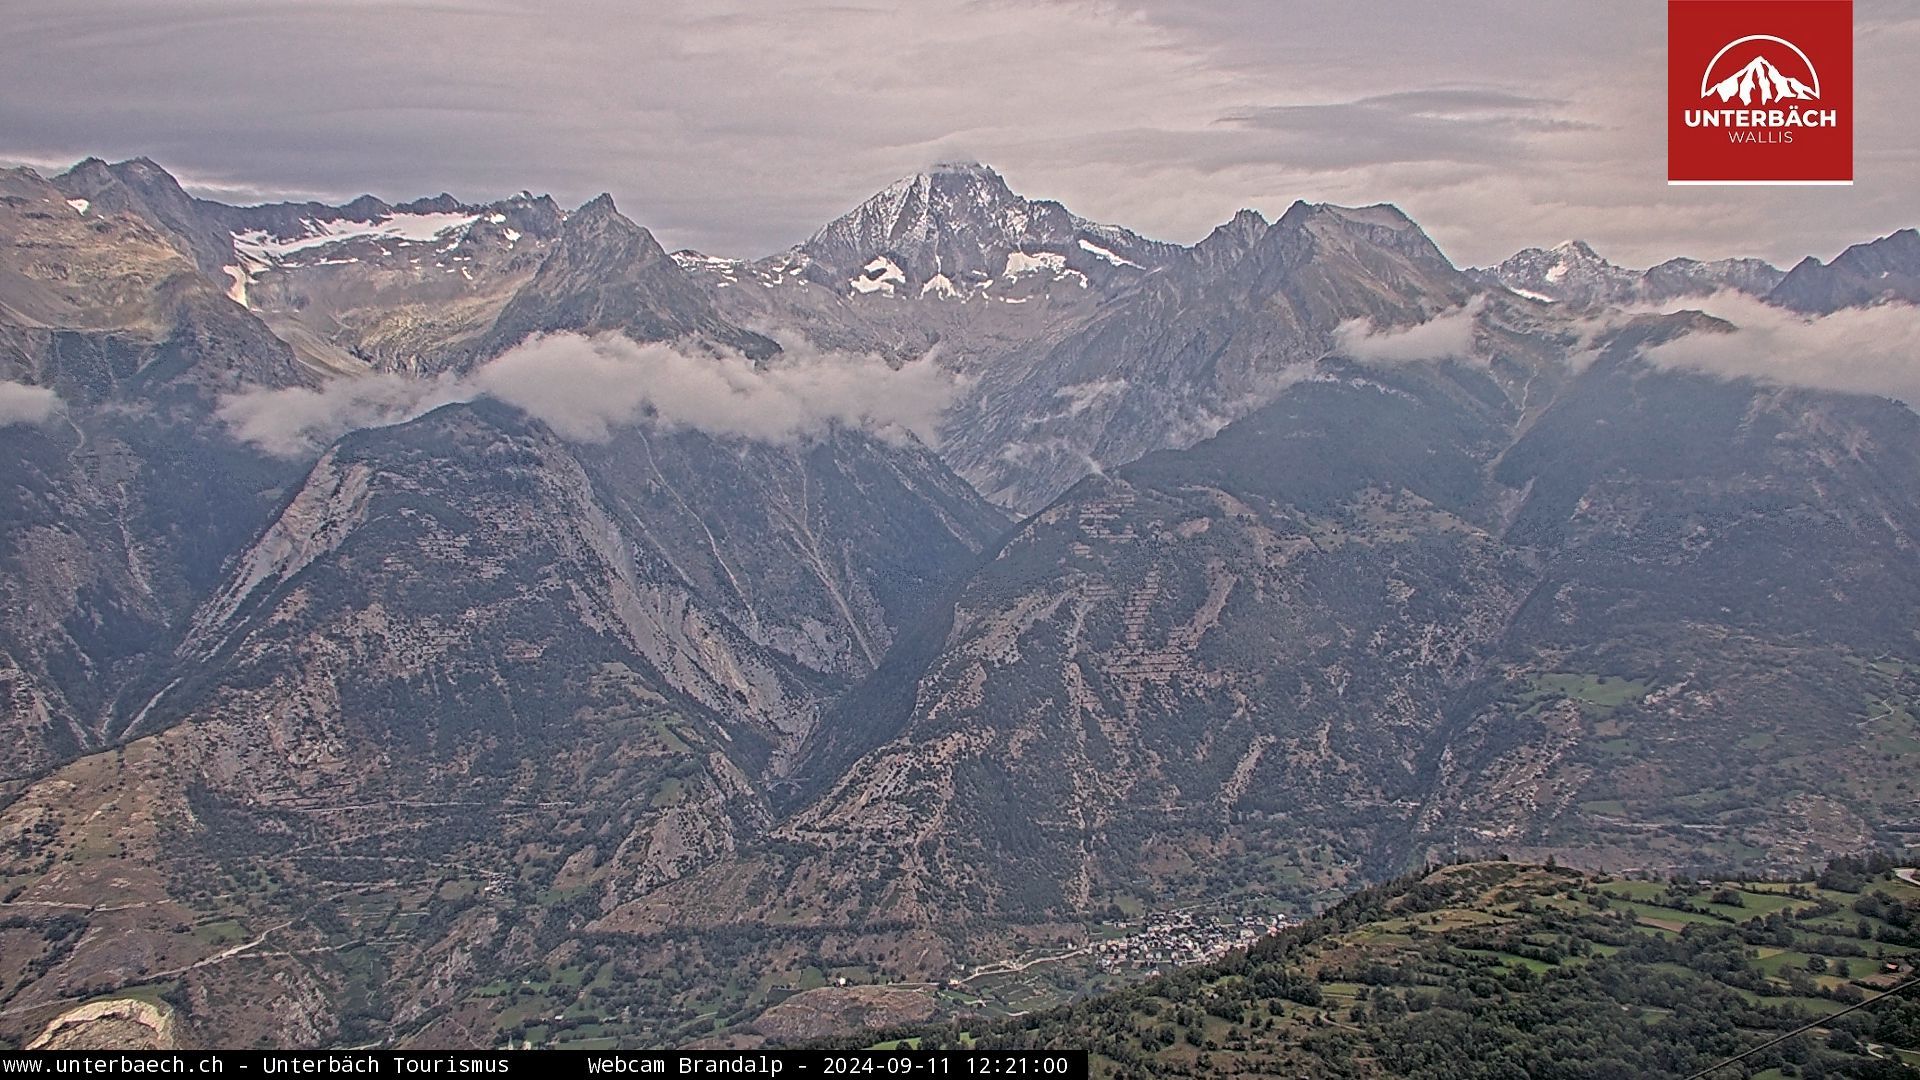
<point x="653" y="640"/>
<point x="1573" y="274"/>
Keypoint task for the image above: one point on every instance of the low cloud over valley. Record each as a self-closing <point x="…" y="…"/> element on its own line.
<point x="1869" y="350"/>
<point x="23" y="404"/>
<point x="586" y="387"/>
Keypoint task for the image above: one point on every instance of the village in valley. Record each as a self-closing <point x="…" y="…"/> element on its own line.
<point x="1117" y="954"/>
<point x="1173" y="938"/>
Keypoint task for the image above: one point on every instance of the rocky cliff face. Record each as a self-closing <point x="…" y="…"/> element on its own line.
<point x="123" y="498"/>
<point x="1196" y="346"/>
<point x="329" y="664"/>
<point x="1393" y="615"/>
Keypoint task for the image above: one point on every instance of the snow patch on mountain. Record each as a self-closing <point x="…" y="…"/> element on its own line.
<point x="880" y="275"/>
<point x="403" y="227"/>
<point x="238" y="279"/>
<point x="728" y="270"/>
<point x="1020" y="262"/>
<point x="1095" y="249"/>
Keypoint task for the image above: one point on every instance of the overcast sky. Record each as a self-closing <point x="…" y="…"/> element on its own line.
<point x="739" y="128"/>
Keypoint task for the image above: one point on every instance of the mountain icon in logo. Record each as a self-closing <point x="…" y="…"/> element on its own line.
<point x="1760" y="80"/>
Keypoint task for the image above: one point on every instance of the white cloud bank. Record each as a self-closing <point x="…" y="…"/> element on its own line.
<point x="585" y="388"/>
<point x="1870" y="350"/>
<point x="23" y="404"/>
<point x="297" y="421"/>
<point x="1446" y="336"/>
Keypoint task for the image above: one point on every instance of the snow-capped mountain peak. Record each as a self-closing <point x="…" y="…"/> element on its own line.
<point x="960" y="221"/>
<point x="918" y="218"/>
<point x="1572" y="273"/>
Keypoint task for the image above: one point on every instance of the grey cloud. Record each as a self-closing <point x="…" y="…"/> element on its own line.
<point x="23" y="404"/>
<point x="1457" y="126"/>
<point x="1857" y="350"/>
<point x="1447" y="336"/>
<point x="1458" y="101"/>
<point x="584" y="388"/>
<point x="298" y="421"/>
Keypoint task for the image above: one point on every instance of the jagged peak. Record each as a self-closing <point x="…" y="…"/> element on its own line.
<point x="144" y="171"/>
<point x="1880" y="269"/>
<point x="1579" y="249"/>
<point x="1243" y="228"/>
<point x="443" y="203"/>
<point x="1230" y="241"/>
<point x="365" y="208"/>
<point x="1309" y="231"/>
<point x="98" y="169"/>
<point x="598" y="214"/>
<point x="598" y="222"/>
<point x="1299" y="211"/>
<point x="1566" y="254"/>
<point x="1901" y="240"/>
<point x="598" y="206"/>
<point x="944" y="175"/>
<point x="916" y="217"/>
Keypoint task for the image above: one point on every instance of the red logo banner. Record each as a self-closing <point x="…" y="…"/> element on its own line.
<point x="1760" y="91"/>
